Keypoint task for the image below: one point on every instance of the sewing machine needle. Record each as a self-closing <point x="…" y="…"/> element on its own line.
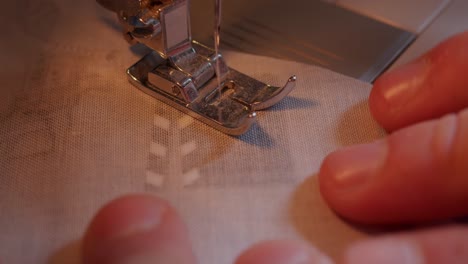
<point x="217" y="30"/>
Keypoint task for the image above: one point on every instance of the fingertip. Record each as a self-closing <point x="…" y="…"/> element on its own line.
<point x="412" y="176"/>
<point x="346" y="178"/>
<point x="126" y="215"/>
<point x="427" y="88"/>
<point x="412" y="248"/>
<point x="283" y="252"/>
<point x="398" y="98"/>
<point x="137" y="229"/>
<point x="384" y="251"/>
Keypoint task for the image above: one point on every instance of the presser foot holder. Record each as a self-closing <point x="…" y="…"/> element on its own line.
<point x="230" y="108"/>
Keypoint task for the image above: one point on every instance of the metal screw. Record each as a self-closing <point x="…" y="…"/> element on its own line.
<point x="175" y="90"/>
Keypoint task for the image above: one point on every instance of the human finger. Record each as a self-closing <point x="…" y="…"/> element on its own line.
<point x="429" y="87"/>
<point x="282" y="252"/>
<point x="417" y="174"/>
<point x="440" y="246"/>
<point x="137" y="229"/>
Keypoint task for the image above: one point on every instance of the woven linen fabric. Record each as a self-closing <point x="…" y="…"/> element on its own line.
<point x="75" y="134"/>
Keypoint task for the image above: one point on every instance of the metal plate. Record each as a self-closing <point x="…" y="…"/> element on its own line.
<point x="232" y="110"/>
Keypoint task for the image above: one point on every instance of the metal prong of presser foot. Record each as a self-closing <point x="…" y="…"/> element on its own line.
<point x="180" y="72"/>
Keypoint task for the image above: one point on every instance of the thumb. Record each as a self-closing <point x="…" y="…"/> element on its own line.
<point x="419" y="173"/>
<point x="137" y="229"/>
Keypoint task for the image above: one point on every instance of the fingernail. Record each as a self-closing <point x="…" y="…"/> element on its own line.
<point x="128" y="216"/>
<point x="352" y="167"/>
<point x="403" y="83"/>
<point x="284" y="252"/>
<point x="385" y="251"/>
<point x="305" y="255"/>
<point x="145" y="259"/>
<point x="133" y="229"/>
<point x="146" y="220"/>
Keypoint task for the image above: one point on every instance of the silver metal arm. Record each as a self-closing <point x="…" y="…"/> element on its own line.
<point x="181" y="72"/>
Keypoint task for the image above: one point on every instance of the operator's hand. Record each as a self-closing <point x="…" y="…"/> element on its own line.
<point x="417" y="174"/>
